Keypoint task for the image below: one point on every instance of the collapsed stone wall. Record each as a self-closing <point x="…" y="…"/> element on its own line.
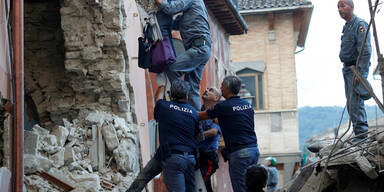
<point x="77" y="70"/>
<point x="45" y="79"/>
<point x="96" y="151"/>
<point x="95" y="57"/>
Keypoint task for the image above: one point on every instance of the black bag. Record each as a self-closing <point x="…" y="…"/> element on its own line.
<point x="145" y="47"/>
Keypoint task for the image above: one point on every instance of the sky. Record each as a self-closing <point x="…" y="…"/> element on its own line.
<point x="319" y="70"/>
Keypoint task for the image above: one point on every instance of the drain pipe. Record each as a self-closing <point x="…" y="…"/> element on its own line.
<point x="18" y="125"/>
<point x="302" y="49"/>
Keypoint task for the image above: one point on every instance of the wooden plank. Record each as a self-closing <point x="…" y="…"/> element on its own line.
<point x="55" y="181"/>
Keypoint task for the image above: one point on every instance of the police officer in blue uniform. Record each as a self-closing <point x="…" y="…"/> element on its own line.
<point x="351" y="42"/>
<point x="208" y="148"/>
<point x="194" y="30"/>
<point x="178" y="126"/>
<point x="236" y="120"/>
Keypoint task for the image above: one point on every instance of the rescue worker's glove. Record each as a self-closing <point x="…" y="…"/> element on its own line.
<point x="161" y="79"/>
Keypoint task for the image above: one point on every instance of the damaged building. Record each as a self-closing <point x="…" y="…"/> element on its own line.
<point x="80" y="122"/>
<point x="342" y="164"/>
<point x="68" y="69"/>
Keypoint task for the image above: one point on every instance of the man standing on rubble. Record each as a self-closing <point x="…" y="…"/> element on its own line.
<point x="194" y="29"/>
<point x="236" y="120"/>
<point x="351" y="44"/>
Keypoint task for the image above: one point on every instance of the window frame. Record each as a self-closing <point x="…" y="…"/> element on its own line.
<point x="255" y="75"/>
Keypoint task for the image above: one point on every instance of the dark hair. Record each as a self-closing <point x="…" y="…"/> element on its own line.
<point x="179" y="89"/>
<point x="233" y="83"/>
<point x="256" y="178"/>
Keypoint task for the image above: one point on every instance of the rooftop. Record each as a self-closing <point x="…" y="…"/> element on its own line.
<point x="272" y="4"/>
<point x="228" y="15"/>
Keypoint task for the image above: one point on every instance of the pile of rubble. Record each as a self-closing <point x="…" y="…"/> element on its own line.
<point x="347" y="164"/>
<point x="97" y="151"/>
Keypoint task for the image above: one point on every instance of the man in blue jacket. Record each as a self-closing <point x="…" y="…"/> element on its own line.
<point x="194" y="30"/>
<point x="236" y="120"/>
<point x="351" y="43"/>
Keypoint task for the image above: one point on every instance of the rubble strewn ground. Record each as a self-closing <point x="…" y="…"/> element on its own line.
<point x="95" y="152"/>
<point x="344" y="166"/>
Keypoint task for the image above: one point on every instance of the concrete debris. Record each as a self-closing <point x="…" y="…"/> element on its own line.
<point x="55" y="181"/>
<point x="63" y="174"/>
<point x="97" y="150"/>
<point x="354" y="165"/>
<point x="125" y="157"/>
<point x="31" y="140"/>
<point x="36" y="183"/>
<point x="58" y="158"/>
<point x="75" y="153"/>
<point x="110" y="136"/>
<point x="366" y="167"/>
<point x="88" y="182"/>
<point x="61" y="134"/>
<point x="31" y="164"/>
<point x="89" y="88"/>
<point x="325" y="151"/>
<point x="344" y="159"/>
<point x="312" y="183"/>
<point x="380" y="137"/>
<point x="69" y="155"/>
<point x="45" y="163"/>
<point x="381" y="149"/>
<point x="41" y="131"/>
<point x="97" y="117"/>
<point x="67" y="124"/>
<point x="50" y="139"/>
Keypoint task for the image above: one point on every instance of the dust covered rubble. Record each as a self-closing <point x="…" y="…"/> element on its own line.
<point x="355" y="165"/>
<point x="95" y="152"/>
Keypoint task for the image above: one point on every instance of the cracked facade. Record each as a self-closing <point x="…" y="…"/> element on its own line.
<point x="86" y="108"/>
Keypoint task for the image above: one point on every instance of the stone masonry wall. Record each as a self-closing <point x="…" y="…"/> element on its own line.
<point x="95" y="58"/>
<point x="45" y="78"/>
<point x="77" y="77"/>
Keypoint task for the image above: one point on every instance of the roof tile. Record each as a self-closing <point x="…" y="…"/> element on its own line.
<point x="264" y="4"/>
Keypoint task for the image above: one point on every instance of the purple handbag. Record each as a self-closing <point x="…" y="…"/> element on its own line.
<point x="162" y="56"/>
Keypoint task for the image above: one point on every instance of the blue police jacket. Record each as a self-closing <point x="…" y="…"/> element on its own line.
<point x="193" y="23"/>
<point x="178" y="125"/>
<point x="352" y="39"/>
<point x="236" y="120"/>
